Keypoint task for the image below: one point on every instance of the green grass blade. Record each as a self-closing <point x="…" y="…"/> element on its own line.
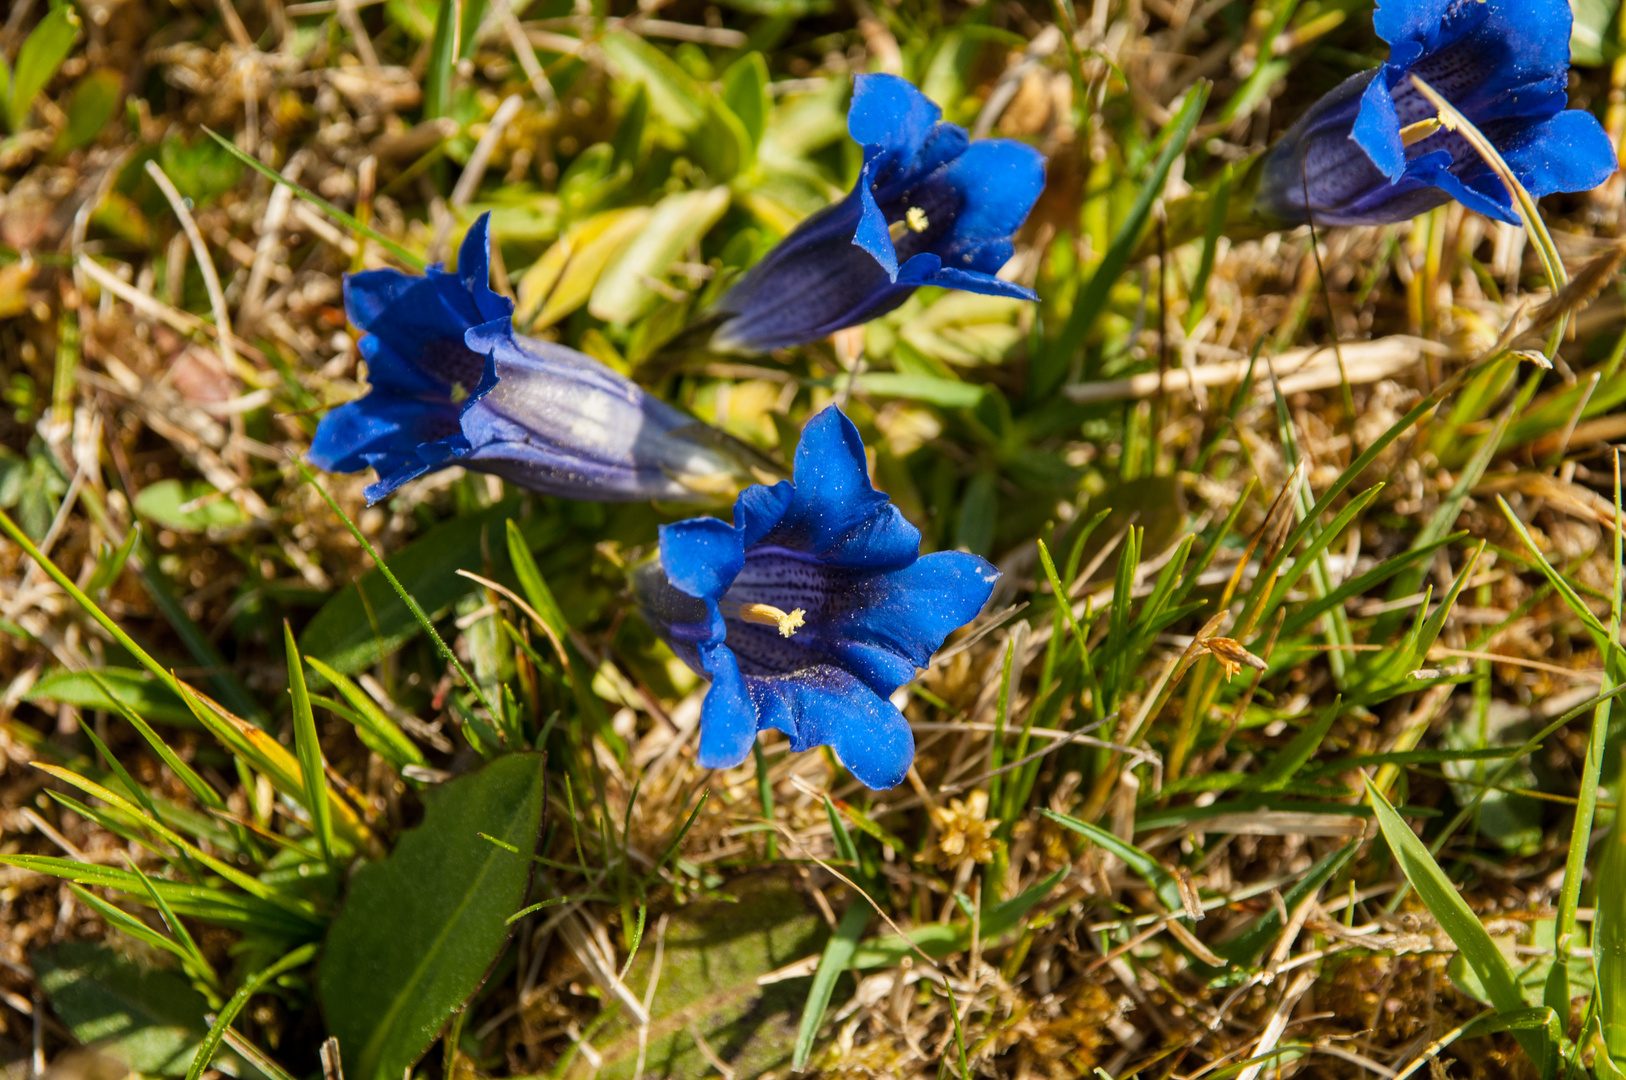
<point x="413" y="606"/>
<point x="308" y="748"/>
<point x="320" y="203"/>
<point x="400" y="750"/>
<point x="1050" y="366"/>
<point x="251" y="986"/>
<point x="1161" y="881"/>
<point x="1459" y="922"/>
<point x="838" y="955"/>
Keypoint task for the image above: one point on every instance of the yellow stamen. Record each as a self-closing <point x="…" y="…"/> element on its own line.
<point x="914" y="220"/>
<point x="768" y="615"/>
<point x="1412" y="134"/>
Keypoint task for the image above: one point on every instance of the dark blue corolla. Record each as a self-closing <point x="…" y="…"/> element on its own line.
<point x="930" y="208"/>
<point x="452" y="384"/>
<point x="810" y="610"/>
<point x="1367" y="154"/>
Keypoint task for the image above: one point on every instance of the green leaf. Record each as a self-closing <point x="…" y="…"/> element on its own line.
<point x="38" y="60"/>
<point x="1290" y="759"/>
<point x="1460" y="924"/>
<point x="146" y="1018"/>
<point x="367" y="620"/>
<point x="90" y="107"/>
<point x="136" y="690"/>
<point x="949" y="393"/>
<point x="676" y="98"/>
<point x="308" y="748"/>
<point x="745" y="92"/>
<point x="937" y="940"/>
<point x="1050" y="366"/>
<point x="1590" y="35"/>
<point x="187" y="506"/>
<point x="421" y="929"/>
<point x="622" y="293"/>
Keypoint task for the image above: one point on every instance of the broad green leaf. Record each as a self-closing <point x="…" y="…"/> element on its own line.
<point x="712" y="953"/>
<point x="351" y="633"/>
<point x="148" y="1019"/>
<point x="89" y="108"/>
<point x="1459" y="922"/>
<point x="745" y="92"/>
<point x="1590" y="35"/>
<point x="187" y="506"/>
<point x="948" y="393"/>
<point x="563" y="279"/>
<point x="623" y="293"/>
<point x="47" y="46"/>
<point x="675" y="96"/>
<point x="137" y="690"/>
<point x="420" y="930"/>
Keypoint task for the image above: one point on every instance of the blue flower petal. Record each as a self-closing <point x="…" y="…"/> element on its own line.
<point x="352" y="435"/>
<point x="907" y="615"/>
<point x="889" y="113"/>
<point x="1377" y="129"/>
<point x="701" y="556"/>
<point x="872" y="235"/>
<point x="728" y="716"/>
<point x="999" y="181"/>
<point x="826" y="706"/>
<point x="1414" y="28"/>
<point x="1491" y="199"/>
<point x="836" y="514"/>
<point x="1569" y="151"/>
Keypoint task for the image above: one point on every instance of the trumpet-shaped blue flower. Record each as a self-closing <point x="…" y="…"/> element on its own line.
<point x="810" y="610"/>
<point x="1364" y="153"/>
<point x="452" y="384"/>
<point x="930" y="208"/>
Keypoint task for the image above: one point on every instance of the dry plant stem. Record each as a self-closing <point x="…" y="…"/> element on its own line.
<point x="200" y="251"/>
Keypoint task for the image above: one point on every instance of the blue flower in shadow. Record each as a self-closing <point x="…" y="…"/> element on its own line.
<point x="1359" y="156"/>
<point x="930" y="208"/>
<point x="452" y="384"/>
<point x="809" y="610"/>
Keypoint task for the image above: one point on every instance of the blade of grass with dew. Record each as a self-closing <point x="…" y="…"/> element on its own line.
<point x="308" y="748"/>
<point x="1050" y="366"/>
<point x="1459" y="922"/>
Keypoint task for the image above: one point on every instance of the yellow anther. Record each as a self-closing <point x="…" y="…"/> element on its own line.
<point x="916" y="219"/>
<point x="1412" y="134"/>
<point x="768" y="615"/>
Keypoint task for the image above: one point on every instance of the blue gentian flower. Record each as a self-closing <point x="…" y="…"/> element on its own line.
<point x="452" y="384"/>
<point x="930" y="208"/>
<point x="810" y="610"/>
<point x="1364" y="151"/>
